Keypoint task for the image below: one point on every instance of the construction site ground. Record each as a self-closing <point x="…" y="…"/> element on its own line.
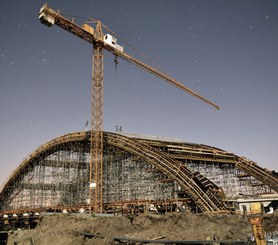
<point x="69" y="229"/>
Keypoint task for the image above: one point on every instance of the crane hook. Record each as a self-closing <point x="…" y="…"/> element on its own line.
<point x="116" y="61"/>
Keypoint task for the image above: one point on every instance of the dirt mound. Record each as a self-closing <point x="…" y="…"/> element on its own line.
<point x="66" y="229"/>
<point x="190" y="226"/>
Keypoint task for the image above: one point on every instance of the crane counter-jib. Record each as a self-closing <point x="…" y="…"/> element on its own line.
<point x="49" y="17"/>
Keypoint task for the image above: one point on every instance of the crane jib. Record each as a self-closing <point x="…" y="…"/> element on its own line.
<point x="50" y="17"/>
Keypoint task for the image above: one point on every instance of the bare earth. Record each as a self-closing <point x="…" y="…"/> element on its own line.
<point x="61" y="229"/>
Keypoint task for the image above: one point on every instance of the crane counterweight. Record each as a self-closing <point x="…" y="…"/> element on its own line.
<point x="45" y="18"/>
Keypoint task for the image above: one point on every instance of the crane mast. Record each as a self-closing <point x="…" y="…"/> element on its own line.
<point x="95" y="37"/>
<point x="96" y="140"/>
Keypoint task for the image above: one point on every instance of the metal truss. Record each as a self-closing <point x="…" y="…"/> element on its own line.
<point x="135" y="170"/>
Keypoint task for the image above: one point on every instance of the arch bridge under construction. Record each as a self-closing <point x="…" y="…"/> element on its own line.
<point x="138" y="171"/>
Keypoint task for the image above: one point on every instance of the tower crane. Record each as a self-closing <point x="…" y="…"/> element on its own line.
<point x="102" y="42"/>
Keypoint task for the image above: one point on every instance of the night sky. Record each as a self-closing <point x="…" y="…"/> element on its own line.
<point x="224" y="50"/>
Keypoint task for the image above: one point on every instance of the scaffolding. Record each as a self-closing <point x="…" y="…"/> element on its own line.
<point x="56" y="176"/>
<point x="233" y="181"/>
<point x="61" y="179"/>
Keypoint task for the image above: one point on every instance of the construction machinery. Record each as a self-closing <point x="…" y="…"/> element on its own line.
<point x="256" y="220"/>
<point x="100" y="42"/>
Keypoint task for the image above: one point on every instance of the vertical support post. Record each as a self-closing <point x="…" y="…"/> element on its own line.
<point x="96" y="140"/>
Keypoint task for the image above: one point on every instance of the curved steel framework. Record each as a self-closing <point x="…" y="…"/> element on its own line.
<point x="136" y="170"/>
